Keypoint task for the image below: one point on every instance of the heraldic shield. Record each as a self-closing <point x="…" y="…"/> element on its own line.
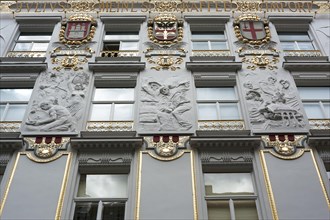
<point x="165" y="28"/>
<point x="77" y="30"/>
<point x="252" y="30"/>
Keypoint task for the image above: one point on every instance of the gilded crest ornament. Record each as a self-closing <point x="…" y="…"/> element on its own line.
<point x="46" y="147"/>
<point x="165" y="29"/>
<point x="79" y="29"/>
<point x="251" y="29"/>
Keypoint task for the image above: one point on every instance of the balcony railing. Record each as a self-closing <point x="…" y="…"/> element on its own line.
<point x="319" y="124"/>
<point x="26" y="54"/>
<point x="119" y="53"/>
<point x="211" y="53"/>
<point x="302" y="53"/>
<point x="99" y="126"/>
<point x="10" y="126"/>
<point x="217" y="125"/>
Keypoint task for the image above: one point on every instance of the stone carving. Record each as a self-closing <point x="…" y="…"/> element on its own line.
<point x="274" y="103"/>
<point x="163" y="106"/>
<point x="60" y="101"/>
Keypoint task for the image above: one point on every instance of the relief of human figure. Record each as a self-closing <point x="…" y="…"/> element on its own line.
<point x="165" y="104"/>
<point x="58" y="118"/>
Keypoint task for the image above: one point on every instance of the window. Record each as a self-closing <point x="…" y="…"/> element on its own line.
<point x="316" y="101"/>
<point x="112" y="104"/>
<point x="295" y="41"/>
<point x="209" y="41"/>
<point x="217" y="103"/>
<point x="116" y="42"/>
<point x="230" y="196"/>
<point x="13" y="103"/>
<point x="101" y="196"/>
<point x="32" y="42"/>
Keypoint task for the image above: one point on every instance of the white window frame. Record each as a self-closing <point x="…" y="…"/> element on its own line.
<point x="296" y="42"/>
<point x="219" y="102"/>
<point x="121" y="41"/>
<point x="112" y="103"/>
<point x="320" y="102"/>
<point x="32" y="41"/>
<point x="232" y="198"/>
<point x="7" y="105"/>
<point x="209" y="41"/>
<point x="101" y="202"/>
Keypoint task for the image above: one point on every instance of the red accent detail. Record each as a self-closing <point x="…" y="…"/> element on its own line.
<point x="175" y="138"/>
<point x="281" y="137"/>
<point x="291" y="137"/>
<point x="58" y="140"/>
<point x="156" y="139"/>
<point x="252" y="30"/>
<point x="38" y="140"/>
<point x="48" y="140"/>
<point x="272" y="137"/>
<point x="166" y="139"/>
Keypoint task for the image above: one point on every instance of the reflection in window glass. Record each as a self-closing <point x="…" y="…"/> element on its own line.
<point x="218" y="210"/>
<point x="100" y="112"/>
<point x="113" y="94"/>
<point x="113" y="210"/>
<point x="315" y="93"/>
<point x="103" y="186"/>
<point x="7" y="95"/>
<point x="227" y="93"/>
<point x="85" y="210"/>
<point x="207" y="112"/>
<point x="229" y="111"/>
<point x="123" y="112"/>
<point x="15" y="113"/>
<point x="313" y="110"/>
<point x="295" y="41"/>
<point x="228" y="183"/>
<point x="245" y="209"/>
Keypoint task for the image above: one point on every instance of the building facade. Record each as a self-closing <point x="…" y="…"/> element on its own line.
<point x="165" y="109"/>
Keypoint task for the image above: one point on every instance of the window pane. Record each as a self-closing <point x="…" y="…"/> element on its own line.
<point x="216" y="93"/>
<point x="125" y="36"/>
<point x="85" y="211"/>
<point x="208" y="36"/>
<point x="39" y="47"/>
<point x="218" y="45"/>
<point x="207" y="112"/>
<point x="313" y="110"/>
<point x="315" y="93"/>
<point x="305" y="46"/>
<point x="23" y="47"/>
<point x="114" y="95"/>
<point x="103" y="186"/>
<point x="123" y="112"/>
<point x="293" y="36"/>
<point x="327" y="110"/>
<point x="229" y="112"/>
<point x="100" y="112"/>
<point x="200" y="45"/>
<point x="113" y="211"/>
<point x="288" y="46"/>
<point x="31" y="37"/>
<point x="7" y="95"/>
<point x="228" y="183"/>
<point x="245" y="210"/>
<point x="15" y="113"/>
<point x="129" y="46"/>
<point x="218" y="210"/>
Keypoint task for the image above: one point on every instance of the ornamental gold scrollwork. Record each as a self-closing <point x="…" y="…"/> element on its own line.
<point x="285" y="149"/>
<point x="261" y="62"/>
<point x="46" y="148"/>
<point x="166" y="150"/>
<point x="77" y="30"/>
<point x="251" y="29"/>
<point x="165" y="63"/>
<point x="69" y="62"/>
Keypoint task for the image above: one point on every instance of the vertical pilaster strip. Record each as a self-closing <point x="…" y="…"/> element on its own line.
<point x="138" y="187"/>
<point x="193" y="181"/>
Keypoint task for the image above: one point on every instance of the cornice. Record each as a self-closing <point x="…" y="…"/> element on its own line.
<point x="214" y="66"/>
<point x="306" y="66"/>
<point x="116" y="66"/>
<point x="213" y="143"/>
<point x="106" y="143"/>
<point x="22" y="64"/>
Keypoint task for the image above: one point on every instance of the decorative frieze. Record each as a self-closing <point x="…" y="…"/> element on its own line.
<point x="104" y="158"/>
<point x="210" y="53"/>
<point x="319" y="124"/>
<point x="226" y="157"/>
<point x="302" y="53"/>
<point x="10" y="126"/>
<point x="219" y="125"/>
<point x="26" y="54"/>
<point x="100" y="126"/>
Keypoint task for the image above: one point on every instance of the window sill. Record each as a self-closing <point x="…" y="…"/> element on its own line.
<point x="214" y="66"/>
<point x="22" y="64"/>
<point x="302" y="65"/>
<point x="116" y="64"/>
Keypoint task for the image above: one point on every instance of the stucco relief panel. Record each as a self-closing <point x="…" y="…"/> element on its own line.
<point x="165" y="105"/>
<point x="273" y="103"/>
<point x="59" y="102"/>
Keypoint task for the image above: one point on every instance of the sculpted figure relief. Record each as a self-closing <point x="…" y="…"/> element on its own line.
<point x="273" y="103"/>
<point x="164" y="105"/>
<point x="59" y="103"/>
